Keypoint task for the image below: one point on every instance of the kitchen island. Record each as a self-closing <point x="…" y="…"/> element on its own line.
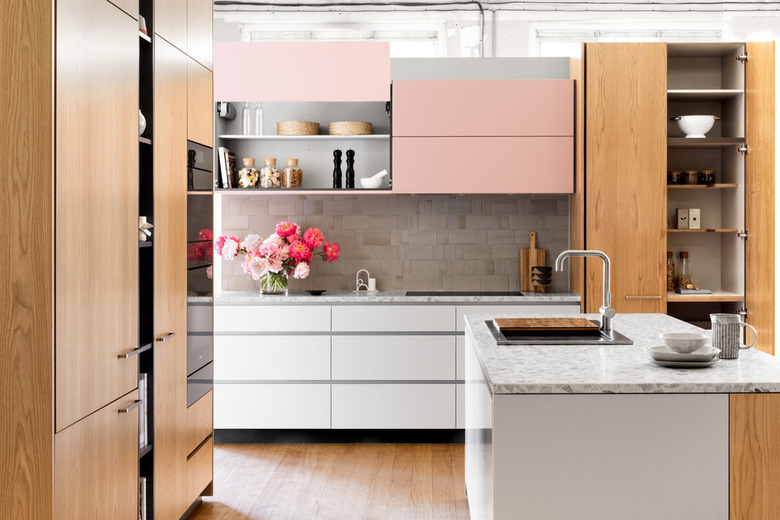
<point x="600" y="432"/>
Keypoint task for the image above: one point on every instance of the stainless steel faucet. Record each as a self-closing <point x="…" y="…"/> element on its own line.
<point x="606" y="310"/>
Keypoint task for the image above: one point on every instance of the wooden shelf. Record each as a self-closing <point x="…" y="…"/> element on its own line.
<point x="200" y="192"/>
<point x="702" y="94"/>
<point x="700" y="186"/>
<point x="372" y="137"/>
<point x="701" y="230"/>
<point x="716" y="296"/>
<point x="705" y="142"/>
<point x="295" y="191"/>
<point x="145" y="37"/>
<point x="148" y="243"/>
<point x="144" y="140"/>
<point x="143" y="451"/>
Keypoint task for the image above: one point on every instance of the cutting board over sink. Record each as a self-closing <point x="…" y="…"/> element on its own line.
<point x="544" y="324"/>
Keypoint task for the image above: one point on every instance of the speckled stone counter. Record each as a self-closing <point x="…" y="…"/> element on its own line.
<point x="384" y="297"/>
<point x="588" y="369"/>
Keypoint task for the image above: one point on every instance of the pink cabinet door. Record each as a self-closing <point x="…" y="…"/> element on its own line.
<point x="483" y="165"/>
<point x="483" y="107"/>
<point x="302" y="71"/>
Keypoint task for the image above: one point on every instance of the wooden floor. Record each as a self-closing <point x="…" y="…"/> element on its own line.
<point x="336" y="481"/>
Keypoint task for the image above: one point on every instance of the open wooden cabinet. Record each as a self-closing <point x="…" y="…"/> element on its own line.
<point x="624" y="204"/>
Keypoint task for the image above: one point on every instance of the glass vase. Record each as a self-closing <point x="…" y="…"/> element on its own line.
<point x="274" y="283"/>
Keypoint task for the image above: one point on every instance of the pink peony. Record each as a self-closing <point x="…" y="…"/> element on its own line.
<point x="284" y="229"/>
<point x="300" y="251"/>
<point x="331" y="250"/>
<point x="230" y="249"/>
<point x="301" y="271"/>
<point x="220" y="243"/>
<point x="313" y="237"/>
<point x="251" y="243"/>
<point x="205" y="234"/>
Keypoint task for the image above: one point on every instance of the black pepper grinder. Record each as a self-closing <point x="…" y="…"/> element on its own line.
<point x="337" y="168"/>
<point x="350" y="169"/>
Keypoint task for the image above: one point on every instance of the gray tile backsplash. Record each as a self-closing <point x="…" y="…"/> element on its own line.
<point x="423" y="242"/>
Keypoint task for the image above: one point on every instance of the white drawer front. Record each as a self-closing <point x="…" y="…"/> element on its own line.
<point x="520" y="310"/>
<point x="393" y="318"/>
<point x="460" y="409"/>
<point x="271" y="358"/>
<point x="271" y="406"/>
<point x="394" y="357"/>
<point x="394" y="406"/>
<point x="267" y="318"/>
<point x="460" y="358"/>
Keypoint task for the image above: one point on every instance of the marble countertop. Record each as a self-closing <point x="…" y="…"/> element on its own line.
<point x="301" y="297"/>
<point x="589" y="369"/>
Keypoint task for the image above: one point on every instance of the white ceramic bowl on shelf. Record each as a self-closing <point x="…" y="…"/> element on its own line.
<point x="695" y="126"/>
<point x="370" y="182"/>
<point x="684" y="342"/>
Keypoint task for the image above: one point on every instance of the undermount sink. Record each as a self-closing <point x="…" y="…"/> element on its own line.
<point x="557" y="337"/>
<point x="463" y="293"/>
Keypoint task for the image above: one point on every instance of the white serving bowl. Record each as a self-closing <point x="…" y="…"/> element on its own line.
<point x="371" y="182"/>
<point x="684" y="342"/>
<point x="695" y="126"/>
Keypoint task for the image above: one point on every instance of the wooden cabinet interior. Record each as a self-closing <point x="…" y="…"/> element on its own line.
<point x="95" y="292"/>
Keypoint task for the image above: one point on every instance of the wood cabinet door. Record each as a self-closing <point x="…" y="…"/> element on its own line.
<point x="760" y="192"/>
<point x="200" y="104"/>
<point x="96" y="464"/>
<point x="626" y="173"/>
<point x="170" y="281"/>
<point x="200" y="31"/>
<point x="96" y="207"/>
<point x="170" y="21"/>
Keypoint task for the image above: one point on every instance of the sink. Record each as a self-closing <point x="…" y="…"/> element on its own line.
<point x="463" y="293"/>
<point x="594" y="337"/>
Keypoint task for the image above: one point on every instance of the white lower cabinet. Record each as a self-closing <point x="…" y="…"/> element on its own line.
<point x="271" y="358"/>
<point x="394" y="357"/>
<point x="393" y="406"/>
<point x="282" y="406"/>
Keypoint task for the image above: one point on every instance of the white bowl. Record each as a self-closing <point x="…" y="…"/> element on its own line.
<point x="684" y="342"/>
<point x="370" y="182"/>
<point x="695" y="126"/>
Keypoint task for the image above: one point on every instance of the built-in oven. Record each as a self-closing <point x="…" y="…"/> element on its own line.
<point x="200" y="287"/>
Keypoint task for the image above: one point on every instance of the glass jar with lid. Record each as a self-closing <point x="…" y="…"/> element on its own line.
<point x="270" y="176"/>
<point x="292" y="175"/>
<point x="248" y="176"/>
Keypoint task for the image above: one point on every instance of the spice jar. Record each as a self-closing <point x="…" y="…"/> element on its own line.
<point x="674" y="177"/>
<point x="270" y="176"/>
<point x="684" y="276"/>
<point x="691" y="176"/>
<point x="707" y="177"/>
<point x="248" y="175"/>
<point x="292" y="176"/>
<point x="671" y="280"/>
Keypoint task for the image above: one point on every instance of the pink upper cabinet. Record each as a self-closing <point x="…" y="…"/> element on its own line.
<point x="302" y="71"/>
<point x="483" y="107"/>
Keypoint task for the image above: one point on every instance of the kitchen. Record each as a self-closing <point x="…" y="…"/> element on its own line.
<point x="406" y="241"/>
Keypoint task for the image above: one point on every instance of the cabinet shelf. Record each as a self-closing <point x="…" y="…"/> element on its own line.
<point x="702" y="94"/>
<point x="716" y="296"/>
<point x="145" y="244"/>
<point x="145" y="37"/>
<point x="706" y="142"/>
<point x="144" y="140"/>
<point x="701" y="230"/>
<point x="372" y="137"/>
<point x="701" y="186"/>
<point x="295" y="191"/>
<point x="144" y="451"/>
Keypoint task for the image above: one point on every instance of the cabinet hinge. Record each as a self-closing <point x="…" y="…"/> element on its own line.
<point x="743" y="234"/>
<point x="742" y="311"/>
<point x="743" y="57"/>
<point x="744" y="149"/>
<point x="388" y="106"/>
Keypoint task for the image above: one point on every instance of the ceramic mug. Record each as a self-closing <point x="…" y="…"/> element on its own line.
<point x="726" y="334"/>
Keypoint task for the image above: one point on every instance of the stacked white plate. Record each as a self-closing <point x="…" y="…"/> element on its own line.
<point x="666" y="357"/>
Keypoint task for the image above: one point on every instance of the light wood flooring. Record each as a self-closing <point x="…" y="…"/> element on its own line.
<point x="336" y="481"/>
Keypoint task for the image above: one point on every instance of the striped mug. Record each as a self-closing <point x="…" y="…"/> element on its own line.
<point x="726" y="334"/>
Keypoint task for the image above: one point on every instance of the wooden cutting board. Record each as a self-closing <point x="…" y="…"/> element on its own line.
<point x="536" y="324"/>
<point x="529" y="258"/>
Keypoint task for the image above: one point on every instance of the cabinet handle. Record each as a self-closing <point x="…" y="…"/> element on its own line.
<point x="135" y="404"/>
<point x="135" y="352"/>
<point x="643" y="297"/>
<point x="166" y="337"/>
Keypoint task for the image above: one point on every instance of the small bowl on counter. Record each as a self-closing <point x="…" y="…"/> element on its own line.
<point x="684" y="342"/>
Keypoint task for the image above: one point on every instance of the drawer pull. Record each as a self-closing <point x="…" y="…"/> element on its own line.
<point x="136" y="404"/>
<point x="135" y="352"/>
<point x="643" y="297"/>
<point x="166" y="337"/>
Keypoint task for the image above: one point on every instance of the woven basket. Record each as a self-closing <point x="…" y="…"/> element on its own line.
<point x="297" y="128"/>
<point x="349" y="128"/>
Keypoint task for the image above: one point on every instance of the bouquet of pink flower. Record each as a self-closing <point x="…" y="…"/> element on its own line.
<point x="288" y="251"/>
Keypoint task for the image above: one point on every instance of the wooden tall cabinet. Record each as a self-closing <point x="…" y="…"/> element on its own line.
<point x="626" y="206"/>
